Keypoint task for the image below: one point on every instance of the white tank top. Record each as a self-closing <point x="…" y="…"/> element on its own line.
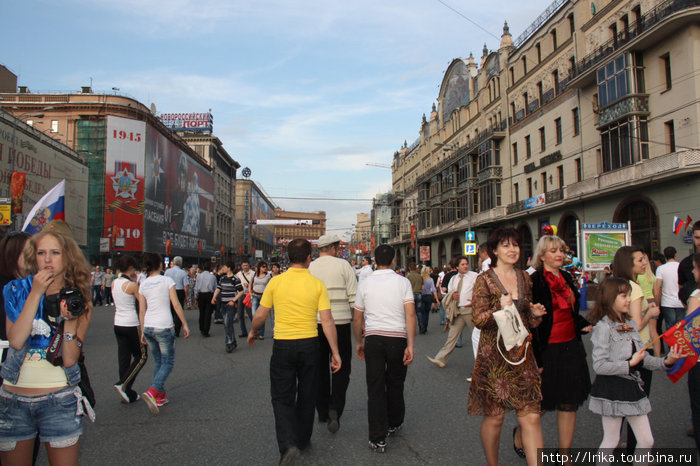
<point x="125" y="305"/>
<point x="156" y="290"/>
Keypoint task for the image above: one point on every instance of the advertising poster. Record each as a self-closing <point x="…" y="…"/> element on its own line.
<point x="600" y="243"/>
<point x="124" y="183"/>
<point x="261" y="210"/>
<point x="39" y="166"/>
<point x="424" y="253"/>
<point x="179" y="200"/>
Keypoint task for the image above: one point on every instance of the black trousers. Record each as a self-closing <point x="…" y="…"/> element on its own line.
<point x="176" y="320"/>
<point x="332" y="387"/>
<point x="293" y="384"/>
<point x="132" y="356"/>
<point x="205" y="310"/>
<point x="386" y="374"/>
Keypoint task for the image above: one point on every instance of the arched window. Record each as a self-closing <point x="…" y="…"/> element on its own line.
<point x="456" y="249"/>
<point x="442" y="254"/>
<point x="567" y="231"/>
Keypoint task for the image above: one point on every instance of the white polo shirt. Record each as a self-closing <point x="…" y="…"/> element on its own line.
<point x="381" y="297"/>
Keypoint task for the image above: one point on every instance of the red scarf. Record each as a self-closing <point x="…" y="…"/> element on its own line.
<point x="563" y="328"/>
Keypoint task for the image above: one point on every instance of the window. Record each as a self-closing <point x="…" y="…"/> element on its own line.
<point x="579" y="170"/>
<point x="515" y="153"/>
<point x="529" y="187"/>
<point x="670" y="136"/>
<point x="619" y="146"/>
<point x="525" y="102"/>
<point x="489" y="155"/>
<point x="553" y="34"/>
<point x="572" y="65"/>
<point x="544" y="182"/>
<point x="555" y="81"/>
<point x="666" y="63"/>
<point x="489" y="195"/>
<point x="524" y="60"/>
<point x="538" y="47"/>
<point x="576" y="123"/>
<point x="516" y="194"/>
<point x="511" y="73"/>
<point x="463" y="169"/>
<point x="543" y="145"/>
<point x="54" y="126"/>
<point x="528" y="148"/>
<point x="560" y="175"/>
<point x="614" y="80"/>
<point x="613" y="33"/>
<point x="572" y="25"/>
<point x="512" y="110"/>
<point x="557" y="129"/>
<point x="539" y="93"/>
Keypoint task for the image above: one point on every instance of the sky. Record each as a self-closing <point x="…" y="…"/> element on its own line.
<point x="305" y="93"/>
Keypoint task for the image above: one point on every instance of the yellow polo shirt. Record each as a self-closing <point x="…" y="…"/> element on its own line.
<point x="297" y="296"/>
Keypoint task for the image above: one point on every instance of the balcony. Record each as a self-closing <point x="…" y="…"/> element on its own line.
<point x="659" y="168"/>
<point x="423" y="204"/>
<point x="584" y="69"/>
<point x="450" y="193"/>
<point x="467" y="183"/>
<point x="435" y="201"/>
<point x="489" y="173"/>
<point x="633" y="104"/>
<point x="492" y="215"/>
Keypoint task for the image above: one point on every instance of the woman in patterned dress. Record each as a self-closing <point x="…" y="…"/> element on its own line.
<point x="497" y="386"/>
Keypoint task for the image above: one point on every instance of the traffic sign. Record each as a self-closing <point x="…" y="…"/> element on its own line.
<point x="470" y="249"/>
<point x="470" y="235"/>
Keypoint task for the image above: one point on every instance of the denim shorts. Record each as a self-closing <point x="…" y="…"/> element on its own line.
<point x="57" y="417"/>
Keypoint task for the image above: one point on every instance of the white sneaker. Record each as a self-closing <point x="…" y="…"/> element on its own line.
<point x="122" y="394"/>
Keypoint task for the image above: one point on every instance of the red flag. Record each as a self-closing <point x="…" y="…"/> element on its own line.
<point x="17" y="184"/>
<point x="686" y="335"/>
<point x="688" y="221"/>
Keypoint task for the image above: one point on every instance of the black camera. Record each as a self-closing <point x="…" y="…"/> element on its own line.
<point x="74" y="300"/>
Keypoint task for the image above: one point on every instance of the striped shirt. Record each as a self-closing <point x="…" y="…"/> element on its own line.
<point x="381" y="297"/>
<point x="229" y="287"/>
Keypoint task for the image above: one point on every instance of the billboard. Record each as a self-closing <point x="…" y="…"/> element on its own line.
<point x="260" y="210"/>
<point x="44" y="165"/>
<point x="179" y="200"/>
<point x="601" y="241"/>
<point x="188" y="121"/>
<point x="124" y="183"/>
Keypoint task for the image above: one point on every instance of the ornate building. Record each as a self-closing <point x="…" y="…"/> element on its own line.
<point x="590" y="115"/>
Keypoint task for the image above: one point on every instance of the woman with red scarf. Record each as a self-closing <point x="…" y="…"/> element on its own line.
<point x="557" y="341"/>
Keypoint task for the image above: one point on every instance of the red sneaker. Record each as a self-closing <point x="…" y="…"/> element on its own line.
<point x="162" y="399"/>
<point x="150" y="396"/>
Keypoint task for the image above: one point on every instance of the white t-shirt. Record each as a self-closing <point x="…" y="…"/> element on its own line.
<point x="156" y="290"/>
<point x="486" y="264"/>
<point x="668" y="274"/>
<point x="465" y="295"/>
<point x="381" y="297"/>
<point x="125" y="305"/>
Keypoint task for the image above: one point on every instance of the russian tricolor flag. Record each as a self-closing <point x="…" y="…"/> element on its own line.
<point x="677" y="225"/>
<point x="685" y="334"/>
<point x="51" y="206"/>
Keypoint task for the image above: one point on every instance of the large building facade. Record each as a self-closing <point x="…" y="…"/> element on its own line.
<point x="590" y="115"/>
<point x="253" y="204"/>
<point x="310" y="231"/>
<point x="147" y="190"/>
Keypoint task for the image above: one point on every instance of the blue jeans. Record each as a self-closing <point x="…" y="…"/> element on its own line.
<point x="161" y="341"/>
<point x="672" y="315"/>
<point x="293" y="384"/>
<point x="255" y="302"/>
<point x="229" y="312"/>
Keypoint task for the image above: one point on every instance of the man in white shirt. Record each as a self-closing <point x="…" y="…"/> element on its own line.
<point x="179" y="276"/>
<point x="461" y="286"/>
<point x="366" y="269"/>
<point x="385" y="310"/>
<point x="339" y="278"/>
<point x="666" y="289"/>
<point x="245" y="275"/>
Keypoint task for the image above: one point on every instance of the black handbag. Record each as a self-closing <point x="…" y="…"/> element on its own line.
<point x="85" y="385"/>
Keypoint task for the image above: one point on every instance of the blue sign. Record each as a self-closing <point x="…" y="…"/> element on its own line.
<point x="604" y="226"/>
<point x="470" y="235"/>
<point x="469" y="249"/>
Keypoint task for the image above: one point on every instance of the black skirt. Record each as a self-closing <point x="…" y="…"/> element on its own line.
<point x="566" y="382"/>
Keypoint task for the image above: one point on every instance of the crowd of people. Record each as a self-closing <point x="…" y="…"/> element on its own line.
<point x="313" y="311"/>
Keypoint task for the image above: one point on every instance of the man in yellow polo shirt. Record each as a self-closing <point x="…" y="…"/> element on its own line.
<point x="298" y="298"/>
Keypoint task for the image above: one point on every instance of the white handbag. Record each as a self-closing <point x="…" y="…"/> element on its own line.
<point x="513" y="332"/>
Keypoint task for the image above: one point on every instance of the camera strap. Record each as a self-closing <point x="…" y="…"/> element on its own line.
<point x="54" y="349"/>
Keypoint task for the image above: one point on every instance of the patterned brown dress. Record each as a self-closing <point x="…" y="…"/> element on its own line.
<point x="498" y="387"/>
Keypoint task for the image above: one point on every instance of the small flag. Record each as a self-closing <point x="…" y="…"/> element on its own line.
<point x="688" y="222"/>
<point x="49" y="207"/>
<point x="685" y="334"/>
<point x="677" y="225"/>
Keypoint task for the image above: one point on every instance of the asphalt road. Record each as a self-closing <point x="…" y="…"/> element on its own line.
<point x="220" y="410"/>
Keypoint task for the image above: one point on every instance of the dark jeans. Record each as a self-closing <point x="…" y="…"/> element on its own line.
<point x="176" y="319"/>
<point x="229" y="312"/>
<point x="132" y="356"/>
<point x="97" y="295"/>
<point x="293" y="384"/>
<point x="386" y="374"/>
<point x="205" y="310"/>
<point x="694" y="391"/>
<point x="332" y="387"/>
<point x="242" y="310"/>
<point x="108" y="295"/>
<point x="424" y="312"/>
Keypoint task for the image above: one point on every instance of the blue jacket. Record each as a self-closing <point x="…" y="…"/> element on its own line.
<point x="15" y="294"/>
